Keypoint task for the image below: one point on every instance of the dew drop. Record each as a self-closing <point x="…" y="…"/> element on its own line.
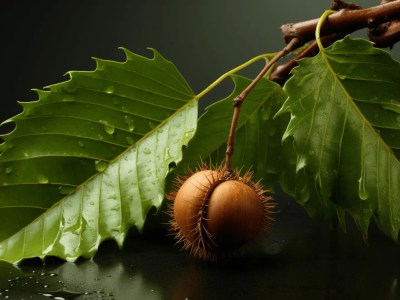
<point x="101" y="165"/>
<point x="362" y="190"/>
<point x="43" y="180"/>
<point x="116" y="102"/>
<point x="167" y="154"/>
<point x="129" y="122"/>
<point x="100" y="137"/>
<point x="47" y="295"/>
<point x="146" y="151"/>
<point x="65" y="190"/>
<point x="152" y="125"/>
<point x="8" y="170"/>
<point x="81" y="144"/>
<point x="110" y="89"/>
<point x="107" y="127"/>
<point x="130" y="140"/>
<point x="70" y="89"/>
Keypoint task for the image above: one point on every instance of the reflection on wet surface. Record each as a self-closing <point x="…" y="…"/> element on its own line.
<point x="300" y="260"/>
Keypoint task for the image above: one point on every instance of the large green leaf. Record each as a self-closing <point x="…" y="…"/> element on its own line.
<point x="258" y="137"/>
<point x="345" y="127"/>
<point x="89" y="159"/>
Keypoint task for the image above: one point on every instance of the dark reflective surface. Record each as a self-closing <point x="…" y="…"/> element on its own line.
<point x="299" y="260"/>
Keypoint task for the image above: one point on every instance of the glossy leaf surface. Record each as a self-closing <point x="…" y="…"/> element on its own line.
<point x="345" y="128"/>
<point x="89" y="159"/>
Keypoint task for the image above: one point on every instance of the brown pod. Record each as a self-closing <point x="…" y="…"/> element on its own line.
<point x="214" y="214"/>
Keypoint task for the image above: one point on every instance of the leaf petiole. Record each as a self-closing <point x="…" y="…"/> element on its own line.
<point x="248" y="63"/>
<point x="321" y="21"/>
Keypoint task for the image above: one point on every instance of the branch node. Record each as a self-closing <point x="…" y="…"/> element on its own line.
<point x="237" y="102"/>
<point x="229" y="150"/>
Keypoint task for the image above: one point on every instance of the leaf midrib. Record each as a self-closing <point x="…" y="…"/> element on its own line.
<point x="350" y="99"/>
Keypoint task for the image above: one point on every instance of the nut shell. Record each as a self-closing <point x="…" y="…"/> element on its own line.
<point x="235" y="215"/>
<point x="189" y="202"/>
<point x="215" y="213"/>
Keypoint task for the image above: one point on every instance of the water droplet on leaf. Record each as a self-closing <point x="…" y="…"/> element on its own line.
<point x="167" y="154"/>
<point x="65" y="190"/>
<point x="8" y="170"/>
<point x="43" y="180"/>
<point x="110" y="90"/>
<point x="107" y="127"/>
<point x="69" y="89"/>
<point x="101" y="165"/>
<point x="146" y="151"/>
<point x="129" y="122"/>
<point x="362" y="190"/>
<point x="152" y="125"/>
<point x="130" y="140"/>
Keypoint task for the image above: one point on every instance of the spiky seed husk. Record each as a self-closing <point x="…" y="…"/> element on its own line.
<point x="209" y="217"/>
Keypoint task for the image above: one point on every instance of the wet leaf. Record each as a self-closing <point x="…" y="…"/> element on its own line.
<point x="345" y="127"/>
<point x="88" y="160"/>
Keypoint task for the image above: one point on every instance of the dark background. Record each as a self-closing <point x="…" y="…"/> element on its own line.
<point x="42" y="40"/>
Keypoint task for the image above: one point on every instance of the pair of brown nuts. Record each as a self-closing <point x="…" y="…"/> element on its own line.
<point x="216" y="212"/>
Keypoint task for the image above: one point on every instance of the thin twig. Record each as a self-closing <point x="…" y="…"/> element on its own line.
<point x="281" y="72"/>
<point x="344" y="21"/>
<point x="237" y="102"/>
<point x="385" y="34"/>
<point x="382" y="32"/>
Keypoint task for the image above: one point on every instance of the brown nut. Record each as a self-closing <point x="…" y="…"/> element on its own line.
<point x="214" y="214"/>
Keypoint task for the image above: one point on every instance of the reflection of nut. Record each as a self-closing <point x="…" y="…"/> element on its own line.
<point x="214" y="214"/>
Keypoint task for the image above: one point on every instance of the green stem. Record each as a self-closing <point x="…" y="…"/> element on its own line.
<point x="233" y="71"/>
<point x="321" y="21"/>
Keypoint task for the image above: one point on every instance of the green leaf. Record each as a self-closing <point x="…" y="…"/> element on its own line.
<point x="345" y="128"/>
<point x="258" y="136"/>
<point x="89" y="159"/>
